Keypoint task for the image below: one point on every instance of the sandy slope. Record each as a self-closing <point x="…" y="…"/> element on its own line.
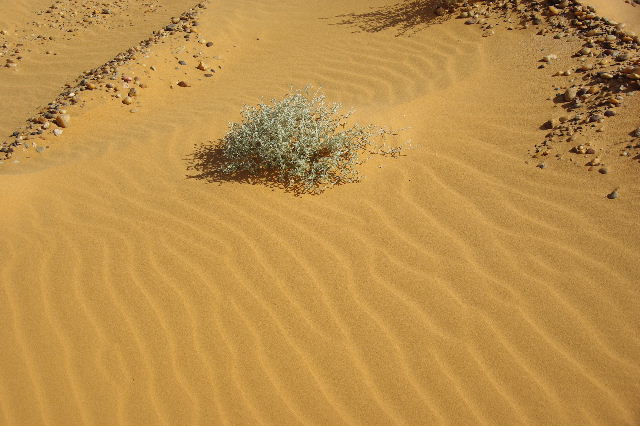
<point x="458" y="284"/>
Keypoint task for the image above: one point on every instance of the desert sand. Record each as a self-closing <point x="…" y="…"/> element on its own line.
<point x="482" y="277"/>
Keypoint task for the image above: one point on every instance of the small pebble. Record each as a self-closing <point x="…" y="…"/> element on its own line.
<point x="57" y="132"/>
<point x="604" y="170"/>
<point x="613" y="195"/>
<point x="183" y="84"/>
<point x="63" y="120"/>
<point x="570" y="94"/>
<point x="128" y="100"/>
<point x="40" y="149"/>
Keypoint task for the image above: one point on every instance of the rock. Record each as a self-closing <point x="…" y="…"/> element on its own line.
<point x="209" y="44"/>
<point x="542" y="166"/>
<point x="183" y="84"/>
<point x="606" y="75"/>
<point x="591" y="151"/>
<point x="471" y="21"/>
<point x="570" y="94"/>
<point x="594" y="90"/>
<point x="63" y="120"/>
<point x="133" y="92"/>
<point x="595" y="117"/>
<point x="90" y="86"/>
<point x="580" y="149"/>
<point x="584" y="51"/>
<point x="128" y="100"/>
<point x="202" y="66"/>
<point x="550" y="57"/>
<point x="603" y="170"/>
<point x="613" y="195"/>
<point x="636" y="133"/>
<point x="57" y="132"/>
<point x="182" y="62"/>
<point x="609" y="113"/>
<point x="440" y="11"/>
<point x="40" y="149"/>
<point x="554" y="10"/>
<point x="552" y="123"/>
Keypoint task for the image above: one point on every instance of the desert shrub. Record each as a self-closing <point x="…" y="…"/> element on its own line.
<point x="299" y="141"/>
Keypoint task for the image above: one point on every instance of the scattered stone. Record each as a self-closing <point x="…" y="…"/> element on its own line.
<point x="554" y="10"/>
<point x="133" y="92"/>
<point x="128" y="100"/>
<point x="549" y="58"/>
<point x="613" y="195"/>
<point x="183" y="84"/>
<point x="182" y="62"/>
<point x="40" y="149"/>
<point x="570" y="94"/>
<point x="209" y="44"/>
<point x="63" y="120"/>
<point x="609" y="113"/>
<point x="552" y="123"/>
<point x="604" y="170"/>
<point x="202" y="66"/>
<point x="636" y="133"/>
<point x="57" y="132"/>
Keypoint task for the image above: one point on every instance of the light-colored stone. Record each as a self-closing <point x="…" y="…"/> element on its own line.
<point x="63" y="120"/>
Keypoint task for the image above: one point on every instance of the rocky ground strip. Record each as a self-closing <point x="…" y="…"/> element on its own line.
<point x="606" y="68"/>
<point x="55" y="117"/>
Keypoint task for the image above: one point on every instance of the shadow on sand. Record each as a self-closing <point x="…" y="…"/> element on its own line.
<point x="408" y="16"/>
<point x="207" y="160"/>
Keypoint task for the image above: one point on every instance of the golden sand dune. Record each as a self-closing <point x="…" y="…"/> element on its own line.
<point x="456" y="284"/>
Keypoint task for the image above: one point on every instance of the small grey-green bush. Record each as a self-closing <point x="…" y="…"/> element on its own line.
<point x="299" y="141"/>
